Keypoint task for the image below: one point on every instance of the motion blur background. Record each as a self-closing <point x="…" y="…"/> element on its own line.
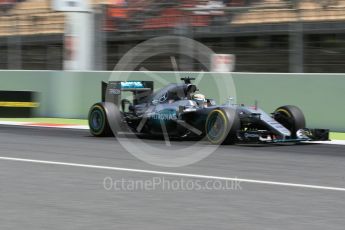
<point x="265" y="35"/>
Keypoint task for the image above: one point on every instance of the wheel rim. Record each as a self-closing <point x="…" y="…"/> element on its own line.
<point x="285" y="119"/>
<point x="215" y="127"/>
<point x="96" y="120"/>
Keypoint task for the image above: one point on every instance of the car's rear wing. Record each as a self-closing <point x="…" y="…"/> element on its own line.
<point x="111" y="91"/>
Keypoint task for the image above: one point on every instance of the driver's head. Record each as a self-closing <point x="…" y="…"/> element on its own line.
<point x="199" y="99"/>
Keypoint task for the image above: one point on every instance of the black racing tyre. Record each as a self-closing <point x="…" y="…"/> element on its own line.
<point x="221" y="126"/>
<point x="291" y="117"/>
<point x="98" y="121"/>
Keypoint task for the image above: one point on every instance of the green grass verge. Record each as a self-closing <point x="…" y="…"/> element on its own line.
<point x="337" y="136"/>
<point x="48" y="120"/>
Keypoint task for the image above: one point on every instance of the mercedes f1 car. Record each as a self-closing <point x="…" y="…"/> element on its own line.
<point x="179" y="111"/>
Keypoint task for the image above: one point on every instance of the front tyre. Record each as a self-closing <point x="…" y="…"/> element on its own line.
<point x="291" y="117"/>
<point x="221" y="126"/>
<point x="98" y="121"/>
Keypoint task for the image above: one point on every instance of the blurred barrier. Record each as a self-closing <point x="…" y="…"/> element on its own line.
<point x="70" y="94"/>
<point x="17" y="103"/>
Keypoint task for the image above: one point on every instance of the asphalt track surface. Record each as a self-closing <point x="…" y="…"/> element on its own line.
<point x="50" y="196"/>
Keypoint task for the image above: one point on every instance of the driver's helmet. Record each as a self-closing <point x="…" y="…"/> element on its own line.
<point x="199" y="99"/>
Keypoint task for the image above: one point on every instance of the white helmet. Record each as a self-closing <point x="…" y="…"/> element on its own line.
<point x="199" y="99"/>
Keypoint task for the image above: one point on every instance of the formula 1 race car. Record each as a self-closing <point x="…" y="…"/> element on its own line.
<point x="179" y="111"/>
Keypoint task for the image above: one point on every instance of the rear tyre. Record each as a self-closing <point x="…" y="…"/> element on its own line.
<point x="221" y="126"/>
<point x="291" y="117"/>
<point x="98" y="121"/>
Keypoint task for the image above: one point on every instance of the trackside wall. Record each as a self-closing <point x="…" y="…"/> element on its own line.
<point x="70" y="94"/>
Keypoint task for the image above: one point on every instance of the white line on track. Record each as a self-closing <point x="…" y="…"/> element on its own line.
<point x="44" y="125"/>
<point x="174" y="174"/>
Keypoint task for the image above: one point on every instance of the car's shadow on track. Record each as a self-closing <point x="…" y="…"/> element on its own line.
<point x="261" y="145"/>
<point x="181" y="141"/>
